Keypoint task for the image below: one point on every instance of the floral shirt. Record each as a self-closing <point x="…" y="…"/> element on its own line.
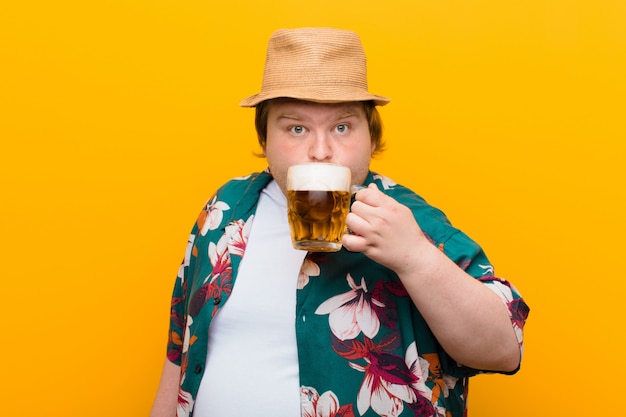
<point x="363" y="347"/>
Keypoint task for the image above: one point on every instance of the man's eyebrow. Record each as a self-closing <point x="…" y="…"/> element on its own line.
<point x="347" y="113"/>
<point x="289" y="116"/>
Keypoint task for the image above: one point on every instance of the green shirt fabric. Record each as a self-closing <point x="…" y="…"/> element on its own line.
<point x="363" y="347"/>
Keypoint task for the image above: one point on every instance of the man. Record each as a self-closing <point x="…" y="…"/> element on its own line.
<point x="393" y="324"/>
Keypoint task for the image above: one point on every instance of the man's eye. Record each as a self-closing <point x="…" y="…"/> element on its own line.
<point x="342" y="128"/>
<point x="297" y="130"/>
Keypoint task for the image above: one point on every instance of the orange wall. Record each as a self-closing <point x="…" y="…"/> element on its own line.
<point x="119" y="118"/>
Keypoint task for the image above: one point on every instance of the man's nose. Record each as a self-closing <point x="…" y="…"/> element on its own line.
<point x="321" y="147"/>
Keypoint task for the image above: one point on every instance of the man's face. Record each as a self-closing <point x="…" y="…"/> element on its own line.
<point x="302" y="131"/>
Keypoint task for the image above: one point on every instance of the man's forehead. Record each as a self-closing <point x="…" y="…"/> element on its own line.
<point x="300" y="108"/>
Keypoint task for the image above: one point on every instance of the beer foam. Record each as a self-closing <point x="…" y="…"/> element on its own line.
<point x="318" y="177"/>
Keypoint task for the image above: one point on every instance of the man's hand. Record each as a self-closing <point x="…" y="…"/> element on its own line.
<point x="384" y="230"/>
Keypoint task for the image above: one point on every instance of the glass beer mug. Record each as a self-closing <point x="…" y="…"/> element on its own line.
<point x="318" y="200"/>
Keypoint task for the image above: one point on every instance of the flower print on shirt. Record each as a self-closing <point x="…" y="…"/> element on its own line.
<point x="391" y="381"/>
<point x="211" y="217"/>
<point x="352" y="312"/>
<point x="518" y="309"/>
<point x="175" y="340"/>
<point x="187" y="341"/>
<point x="487" y="269"/>
<point x="185" y="403"/>
<point x="309" y="269"/>
<point x="220" y="259"/>
<point x="219" y="282"/>
<point x="386" y="182"/>
<point x="442" y="382"/>
<point x="325" y="405"/>
<point x="233" y="242"/>
<point x="187" y="258"/>
<point x="236" y="236"/>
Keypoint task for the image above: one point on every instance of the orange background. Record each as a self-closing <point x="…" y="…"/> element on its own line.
<point x="118" y="119"/>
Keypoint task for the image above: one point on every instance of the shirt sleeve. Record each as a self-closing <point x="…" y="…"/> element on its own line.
<point x="178" y="313"/>
<point x="470" y="257"/>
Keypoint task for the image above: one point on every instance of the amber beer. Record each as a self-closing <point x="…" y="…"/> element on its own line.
<point x="318" y="199"/>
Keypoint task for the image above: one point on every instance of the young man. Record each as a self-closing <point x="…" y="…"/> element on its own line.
<point x="393" y="324"/>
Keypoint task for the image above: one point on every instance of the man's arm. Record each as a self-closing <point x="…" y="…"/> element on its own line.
<point x="467" y="318"/>
<point x="166" y="399"/>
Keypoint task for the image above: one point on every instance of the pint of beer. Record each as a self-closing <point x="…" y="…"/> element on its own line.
<point x="318" y="200"/>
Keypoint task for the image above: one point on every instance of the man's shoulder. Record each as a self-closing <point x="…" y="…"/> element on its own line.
<point x="401" y="193"/>
<point x="430" y="218"/>
<point x="238" y="196"/>
<point x="237" y="186"/>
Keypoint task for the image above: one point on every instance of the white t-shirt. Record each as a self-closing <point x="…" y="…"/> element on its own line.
<point x="252" y="360"/>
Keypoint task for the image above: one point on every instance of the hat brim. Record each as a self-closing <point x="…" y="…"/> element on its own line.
<point x="316" y="96"/>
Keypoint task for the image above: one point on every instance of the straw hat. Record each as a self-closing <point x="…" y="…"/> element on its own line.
<point x="315" y="64"/>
